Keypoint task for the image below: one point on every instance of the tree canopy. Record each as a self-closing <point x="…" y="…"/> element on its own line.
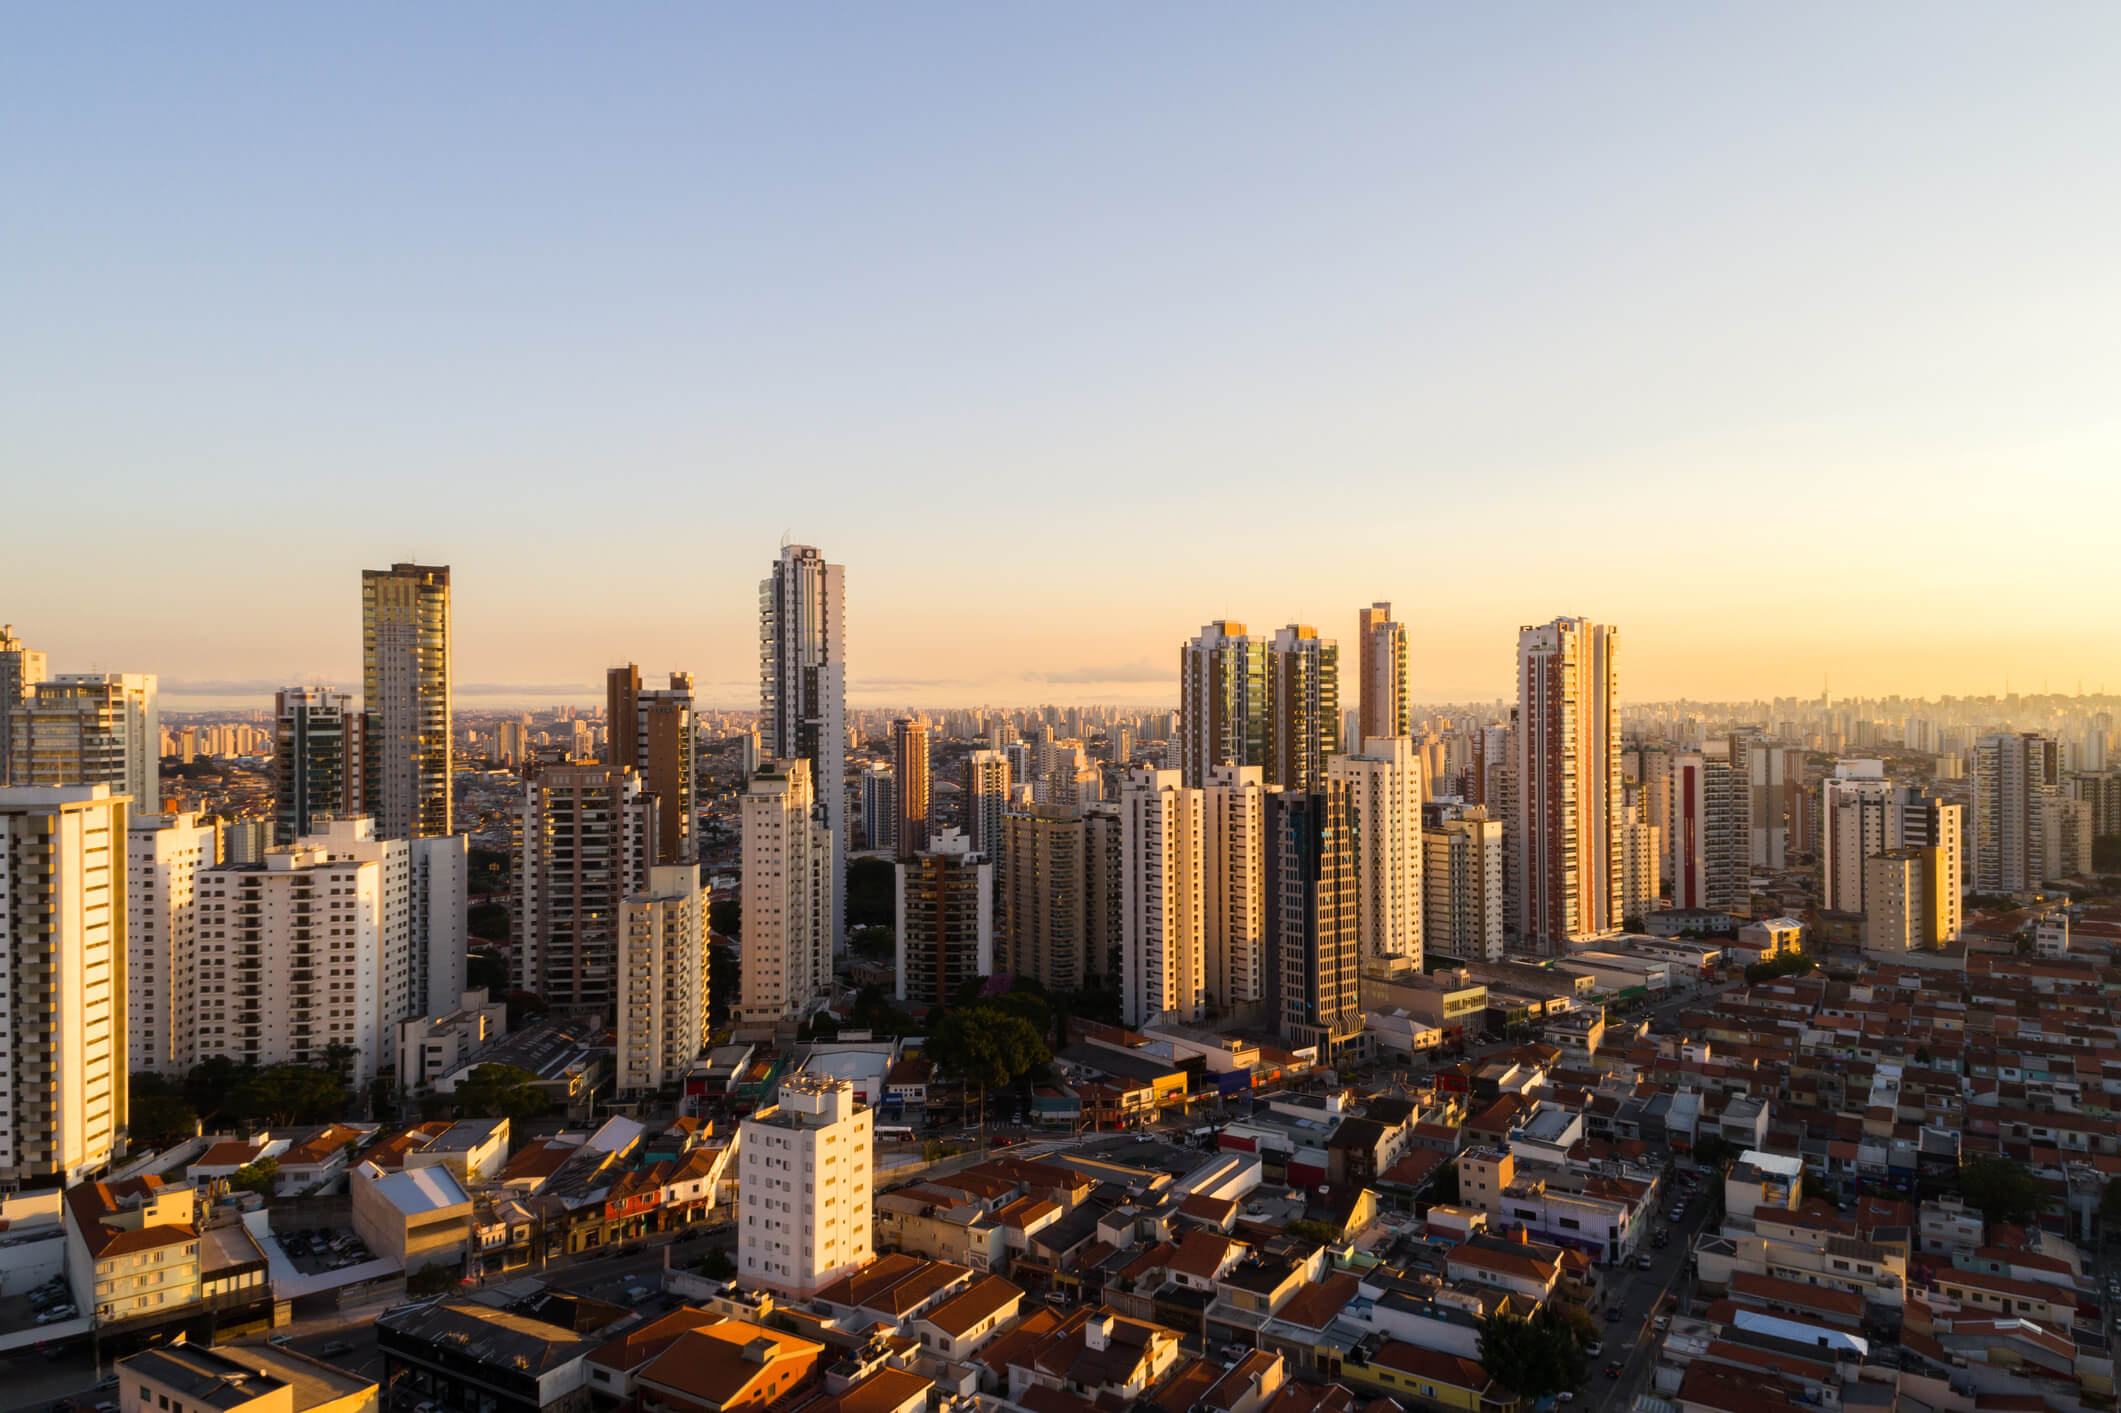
<point x="157" y="1113"/>
<point x="257" y="1177"/>
<point x="499" y="1092"/>
<point x="2004" y="1191"/>
<point x="289" y="1094"/>
<point x="986" y="1046"/>
<point x="872" y="893"/>
<point x="1533" y="1357"/>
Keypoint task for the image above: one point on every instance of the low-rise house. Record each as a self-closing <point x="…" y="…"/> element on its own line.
<point x="314" y="1161"/>
<point x="1094" y="1352"/>
<point x="728" y="1367"/>
<point x="613" y="1364"/>
<point x="468" y="1354"/>
<point x="132" y="1249"/>
<point x="474" y="1150"/>
<point x="1424" y="1377"/>
<point x="956" y="1328"/>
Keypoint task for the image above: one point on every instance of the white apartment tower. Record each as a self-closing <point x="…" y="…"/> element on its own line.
<point x="2013" y="775"/>
<point x="163" y="856"/>
<point x="1568" y="781"/>
<point x="1855" y="809"/>
<point x="1163" y="961"/>
<point x="20" y="670"/>
<point x="1385" y="795"/>
<point x="663" y="973"/>
<point x="1709" y="820"/>
<point x="406" y="666"/>
<point x="803" y="696"/>
<point x="803" y="1194"/>
<point x="91" y="728"/>
<point x="1462" y="892"/>
<point x="1234" y="899"/>
<point x="1641" y="861"/>
<point x="425" y="945"/>
<point x="584" y="840"/>
<point x="62" y="964"/>
<point x="787" y="854"/>
<point x="291" y="960"/>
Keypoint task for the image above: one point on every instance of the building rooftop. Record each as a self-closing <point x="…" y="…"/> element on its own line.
<point x="229" y="1377"/>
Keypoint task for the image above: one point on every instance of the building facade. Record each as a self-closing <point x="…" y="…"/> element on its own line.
<point x="944" y="902"/>
<point x="787" y="859"/>
<point x="1234" y="898"/>
<point x="1709" y="852"/>
<point x="1163" y="969"/>
<point x="804" y="1200"/>
<point x="406" y="664"/>
<point x="663" y="979"/>
<point x="163" y="856"/>
<point x="319" y="760"/>
<point x="1462" y="891"/>
<point x="1381" y="658"/>
<point x="909" y="767"/>
<point x="803" y="695"/>
<point x="583" y="842"/>
<point x="1385" y="794"/>
<point x="650" y="729"/>
<point x="1568" y="781"/>
<point x="91" y="728"/>
<point x="1313" y="913"/>
<point x="986" y="799"/>
<point x="20" y="670"/>
<point x="2014" y="775"/>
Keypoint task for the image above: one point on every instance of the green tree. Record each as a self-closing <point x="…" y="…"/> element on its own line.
<point x="209" y="1085"/>
<point x="872" y="893"/>
<point x="499" y="1092"/>
<point x="1532" y="1357"/>
<point x="724" y="976"/>
<point x="1712" y="1151"/>
<point x="985" y="1047"/>
<point x="1324" y="1233"/>
<point x="157" y="1113"/>
<point x="257" y="1177"/>
<point x="289" y="1094"/>
<point x="726" y="916"/>
<point x="2003" y="1190"/>
<point x="717" y="1265"/>
<point x="1443" y="1184"/>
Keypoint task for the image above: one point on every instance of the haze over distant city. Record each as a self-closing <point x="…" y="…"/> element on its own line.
<point x="1066" y="341"/>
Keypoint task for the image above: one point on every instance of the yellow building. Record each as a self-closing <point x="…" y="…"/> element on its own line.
<point x="1414" y="1376"/>
<point x="238" y="1379"/>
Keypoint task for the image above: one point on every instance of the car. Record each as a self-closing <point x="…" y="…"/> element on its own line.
<point x="1643" y="1263"/>
<point x="335" y="1349"/>
<point x="1662" y="1323"/>
<point x="689" y="1234"/>
<point x="1594" y="1348"/>
<point x="107" y="1381"/>
<point x="1612" y="1371"/>
<point x="283" y="1338"/>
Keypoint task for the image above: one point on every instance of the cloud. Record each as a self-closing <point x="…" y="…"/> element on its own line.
<point x="254" y="687"/>
<point x="1123" y="672"/>
<point x="525" y="689"/>
<point x="896" y="684"/>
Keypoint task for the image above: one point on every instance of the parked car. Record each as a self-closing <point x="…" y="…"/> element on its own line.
<point x="1643" y="1263"/>
<point x="1612" y="1371"/>
<point x="335" y="1349"/>
<point x="282" y="1338"/>
<point x="1662" y="1323"/>
<point x="1594" y="1348"/>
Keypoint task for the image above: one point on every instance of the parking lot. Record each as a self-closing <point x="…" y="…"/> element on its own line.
<point x="315" y="1250"/>
<point x="50" y="1303"/>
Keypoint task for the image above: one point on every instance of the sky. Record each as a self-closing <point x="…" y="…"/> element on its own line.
<point x="1784" y="337"/>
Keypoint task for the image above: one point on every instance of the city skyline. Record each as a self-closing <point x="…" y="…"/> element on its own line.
<point x="1418" y="276"/>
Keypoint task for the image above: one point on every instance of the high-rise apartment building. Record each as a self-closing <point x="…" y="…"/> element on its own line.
<point x="650" y="729"/>
<point x="1222" y="692"/>
<point x="787" y="853"/>
<point x="1043" y="867"/>
<point x="662" y="979"/>
<point x="803" y="697"/>
<point x="1909" y="911"/>
<point x="91" y="728"/>
<point x="319" y="760"/>
<point x="1163" y="969"/>
<point x="909" y="767"/>
<point x="20" y="670"/>
<point x="1462" y="892"/>
<point x="2013" y="775"/>
<point x="1384" y="789"/>
<point x="879" y="808"/>
<point x="2101" y="789"/>
<point x="1315" y="939"/>
<point x="2065" y="834"/>
<point x="405" y="689"/>
<point x="1856" y="808"/>
<point x="1234" y="898"/>
<point x="1641" y="862"/>
<point x="944" y="901"/>
<point x="1303" y="707"/>
<point x="1773" y="774"/>
<point x="63" y="917"/>
<point x="163" y="856"/>
<point x="804" y="1206"/>
<point x="1382" y="674"/>
<point x="986" y="800"/>
<point x="1568" y="781"/>
<point x="583" y="842"/>
<point x="1924" y="821"/>
<point x="1709" y="816"/>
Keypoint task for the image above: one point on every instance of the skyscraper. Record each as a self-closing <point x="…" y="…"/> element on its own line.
<point x="318" y="760"/>
<point x="1568" y="781"/>
<point x="986" y="800"/>
<point x="92" y="728"/>
<point x="1856" y="809"/>
<point x="1303" y="707"/>
<point x="1384" y="800"/>
<point x="1462" y="889"/>
<point x="1908" y="906"/>
<point x="20" y="670"/>
<point x="1043" y="871"/>
<point x="663" y="974"/>
<point x="163" y="856"/>
<point x="651" y="731"/>
<point x="2012" y="776"/>
<point x="944" y="908"/>
<point x="1709" y="816"/>
<point x="1641" y="865"/>
<point x="803" y="696"/>
<point x="787" y="850"/>
<point x="1222" y="694"/>
<point x="879" y="808"/>
<point x="1773" y="774"/>
<point x="1162" y="946"/>
<point x="1315" y="942"/>
<point x="1234" y="901"/>
<point x="1382" y="659"/>
<point x="909" y="767"/>
<point x="62" y="961"/>
<point x="583" y="843"/>
<point x="405" y="690"/>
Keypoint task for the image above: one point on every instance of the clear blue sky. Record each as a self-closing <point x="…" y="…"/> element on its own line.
<point x="1783" y="336"/>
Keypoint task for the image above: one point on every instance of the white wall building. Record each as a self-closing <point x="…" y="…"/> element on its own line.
<point x="62" y="967"/>
<point x="91" y="728"/>
<point x="1163" y="954"/>
<point x="163" y="856"/>
<point x="803" y="697"/>
<point x="787" y="855"/>
<point x="1385" y="794"/>
<point x="803" y="1196"/>
<point x="1462" y="888"/>
<point x="662" y="985"/>
<point x="1234" y="899"/>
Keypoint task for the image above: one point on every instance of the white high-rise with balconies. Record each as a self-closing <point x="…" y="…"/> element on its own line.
<point x="2014" y="775"/>
<point x="62" y="967"/>
<point x="91" y="728"/>
<point x="803" y="696"/>
<point x="1384" y="799"/>
<point x="662" y="985"/>
<point x="163" y="856"/>
<point x="787" y="851"/>
<point x="1567" y="839"/>
<point x="1234" y="900"/>
<point x="804" y="1205"/>
<point x="1163" y="954"/>
<point x="986" y="800"/>
<point x="20" y="670"/>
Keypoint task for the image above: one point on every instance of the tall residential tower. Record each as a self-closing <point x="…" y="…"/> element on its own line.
<point x="803" y="695"/>
<point x="405" y="690"/>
